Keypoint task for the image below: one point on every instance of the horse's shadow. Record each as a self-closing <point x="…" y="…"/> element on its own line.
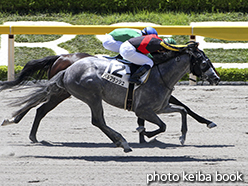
<point x="152" y="144"/>
<point x="134" y="158"/>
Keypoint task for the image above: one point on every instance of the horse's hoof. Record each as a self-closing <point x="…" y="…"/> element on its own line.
<point x="46" y="143"/>
<point x="140" y="129"/>
<point x="128" y="150"/>
<point x="142" y="141"/>
<point x="7" y="122"/>
<point x="211" y="125"/>
<point x="182" y="140"/>
<point x="33" y="139"/>
<point x="125" y="146"/>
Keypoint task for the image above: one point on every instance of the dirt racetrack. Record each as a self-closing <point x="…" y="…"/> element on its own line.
<point x="76" y="153"/>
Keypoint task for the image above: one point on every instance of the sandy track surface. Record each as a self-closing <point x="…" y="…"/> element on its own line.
<point x="76" y="153"/>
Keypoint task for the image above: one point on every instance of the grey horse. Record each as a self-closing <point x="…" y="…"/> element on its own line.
<point x="83" y="80"/>
<point x="54" y="64"/>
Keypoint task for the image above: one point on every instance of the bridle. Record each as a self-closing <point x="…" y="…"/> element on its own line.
<point x="199" y="63"/>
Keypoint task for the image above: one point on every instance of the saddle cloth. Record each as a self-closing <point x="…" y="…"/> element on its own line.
<point x="119" y="73"/>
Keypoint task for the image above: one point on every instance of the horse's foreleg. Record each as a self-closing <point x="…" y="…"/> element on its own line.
<point x="198" y="118"/>
<point x="141" y="130"/>
<point x="150" y="116"/>
<point x="98" y="121"/>
<point x="43" y="110"/>
<point x="183" y="112"/>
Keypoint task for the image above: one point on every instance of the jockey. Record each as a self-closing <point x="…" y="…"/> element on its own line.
<point x="114" y="39"/>
<point x="136" y="50"/>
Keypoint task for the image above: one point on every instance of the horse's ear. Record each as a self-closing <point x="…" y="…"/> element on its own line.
<point x="192" y="45"/>
<point x="192" y="42"/>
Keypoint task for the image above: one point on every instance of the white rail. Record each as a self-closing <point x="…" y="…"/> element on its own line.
<point x="237" y="33"/>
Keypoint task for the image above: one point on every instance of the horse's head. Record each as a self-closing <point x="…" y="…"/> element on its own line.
<point x="202" y="67"/>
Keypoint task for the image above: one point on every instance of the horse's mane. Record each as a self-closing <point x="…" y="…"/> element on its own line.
<point x="164" y="57"/>
<point x="169" y="54"/>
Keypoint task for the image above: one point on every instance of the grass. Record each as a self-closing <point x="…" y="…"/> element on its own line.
<point x="30" y="38"/>
<point x="227" y="55"/>
<point x="25" y="54"/>
<point x="85" y="43"/>
<point x="212" y="40"/>
<point x="89" y="44"/>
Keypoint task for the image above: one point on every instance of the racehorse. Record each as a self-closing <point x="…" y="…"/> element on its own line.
<point x="83" y="80"/>
<point x="52" y="65"/>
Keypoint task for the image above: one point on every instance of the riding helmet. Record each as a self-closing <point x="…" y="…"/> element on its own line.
<point x="149" y="30"/>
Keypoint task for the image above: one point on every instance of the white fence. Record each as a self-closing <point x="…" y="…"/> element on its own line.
<point x="221" y="30"/>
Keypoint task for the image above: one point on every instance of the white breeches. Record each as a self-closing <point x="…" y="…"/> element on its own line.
<point x="110" y="44"/>
<point x="128" y="52"/>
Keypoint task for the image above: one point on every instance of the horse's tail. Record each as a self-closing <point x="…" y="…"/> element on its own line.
<point x="37" y="68"/>
<point x="42" y="93"/>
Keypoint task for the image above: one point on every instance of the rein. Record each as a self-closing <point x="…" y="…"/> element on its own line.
<point x="160" y="74"/>
<point x="161" y="77"/>
<point x="191" y="54"/>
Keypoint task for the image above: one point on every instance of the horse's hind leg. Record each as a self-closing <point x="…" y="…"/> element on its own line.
<point x="15" y="120"/>
<point x="43" y="110"/>
<point x="98" y="121"/>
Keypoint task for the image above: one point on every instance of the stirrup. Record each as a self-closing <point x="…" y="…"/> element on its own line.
<point x="114" y="57"/>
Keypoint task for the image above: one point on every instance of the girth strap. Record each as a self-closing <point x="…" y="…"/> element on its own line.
<point x="129" y="97"/>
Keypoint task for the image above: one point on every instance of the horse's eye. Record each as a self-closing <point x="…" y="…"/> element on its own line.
<point x="203" y="64"/>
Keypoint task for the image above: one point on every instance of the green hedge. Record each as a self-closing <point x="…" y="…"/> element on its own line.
<point x="231" y="74"/>
<point x="228" y="74"/>
<point x="27" y="6"/>
<point x="4" y="72"/>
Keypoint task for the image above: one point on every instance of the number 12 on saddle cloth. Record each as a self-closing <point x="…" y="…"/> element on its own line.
<point x="119" y="73"/>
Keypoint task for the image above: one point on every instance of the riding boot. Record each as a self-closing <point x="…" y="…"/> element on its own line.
<point x="135" y="78"/>
<point x="119" y="56"/>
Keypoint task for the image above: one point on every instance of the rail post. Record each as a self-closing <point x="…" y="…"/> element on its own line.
<point x="11" y="66"/>
<point x="192" y="78"/>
